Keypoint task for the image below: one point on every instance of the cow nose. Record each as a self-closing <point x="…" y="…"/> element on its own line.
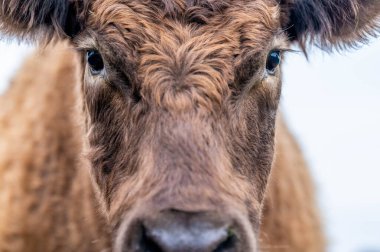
<point x="202" y="237"/>
<point x="177" y="231"/>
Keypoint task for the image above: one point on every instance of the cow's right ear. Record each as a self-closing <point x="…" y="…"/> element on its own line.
<point x="42" y="20"/>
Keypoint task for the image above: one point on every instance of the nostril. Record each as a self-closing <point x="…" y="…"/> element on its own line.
<point x="228" y="244"/>
<point x="149" y="244"/>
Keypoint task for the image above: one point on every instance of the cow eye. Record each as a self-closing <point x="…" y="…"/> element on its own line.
<point x="95" y="61"/>
<point x="273" y="61"/>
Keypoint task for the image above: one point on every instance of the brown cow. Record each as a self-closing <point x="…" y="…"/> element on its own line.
<point x="178" y="104"/>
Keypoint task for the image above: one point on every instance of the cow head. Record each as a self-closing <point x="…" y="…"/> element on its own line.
<point x="180" y="100"/>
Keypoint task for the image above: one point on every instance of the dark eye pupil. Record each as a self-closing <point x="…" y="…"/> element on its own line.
<point x="274" y="59"/>
<point x="95" y="61"/>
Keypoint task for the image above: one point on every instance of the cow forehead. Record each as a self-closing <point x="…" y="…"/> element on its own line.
<point x="150" y="18"/>
<point x="186" y="51"/>
<point x="179" y="8"/>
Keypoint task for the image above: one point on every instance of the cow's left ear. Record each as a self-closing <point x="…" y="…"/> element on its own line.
<point x="41" y="20"/>
<point x="330" y="23"/>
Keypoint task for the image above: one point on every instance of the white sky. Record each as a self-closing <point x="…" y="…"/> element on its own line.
<point x="332" y="104"/>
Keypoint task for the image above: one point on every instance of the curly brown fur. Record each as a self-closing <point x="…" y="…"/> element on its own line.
<point x="50" y="204"/>
<point x="181" y="117"/>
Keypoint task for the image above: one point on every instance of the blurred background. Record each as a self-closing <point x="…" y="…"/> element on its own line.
<point x="332" y="105"/>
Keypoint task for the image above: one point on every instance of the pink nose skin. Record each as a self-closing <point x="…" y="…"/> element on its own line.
<point x="178" y="231"/>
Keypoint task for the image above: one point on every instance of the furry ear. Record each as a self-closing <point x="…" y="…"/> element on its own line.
<point x="41" y="19"/>
<point x="331" y="24"/>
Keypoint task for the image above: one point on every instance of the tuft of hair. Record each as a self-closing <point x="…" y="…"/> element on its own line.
<point x="41" y="20"/>
<point x="331" y="24"/>
<point x="173" y="8"/>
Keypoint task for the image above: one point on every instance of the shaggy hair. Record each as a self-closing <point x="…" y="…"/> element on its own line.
<point x="331" y="23"/>
<point x="328" y="23"/>
<point x="42" y="20"/>
<point x="41" y="164"/>
<point x="181" y="115"/>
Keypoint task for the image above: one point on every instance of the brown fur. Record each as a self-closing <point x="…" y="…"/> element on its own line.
<point x="53" y="208"/>
<point x="290" y="209"/>
<point x="50" y="205"/>
<point x="182" y="117"/>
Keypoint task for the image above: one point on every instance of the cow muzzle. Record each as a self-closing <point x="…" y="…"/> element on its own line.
<point x="181" y="231"/>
